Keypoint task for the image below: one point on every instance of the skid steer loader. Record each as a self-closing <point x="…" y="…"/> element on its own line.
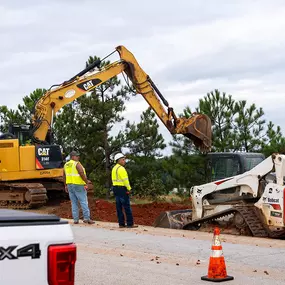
<point x="253" y="201"/>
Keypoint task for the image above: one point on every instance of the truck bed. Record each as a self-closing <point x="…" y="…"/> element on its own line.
<point x="9" y="218"/>
<point x="26" y="240"/>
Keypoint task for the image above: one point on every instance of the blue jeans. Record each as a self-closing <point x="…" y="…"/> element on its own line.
<point x="123" y="202"/>
<point x="77" y="193"/>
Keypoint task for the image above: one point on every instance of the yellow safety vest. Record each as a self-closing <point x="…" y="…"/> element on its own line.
<point x="120" y="176"/>
<point x="71" y="173"/>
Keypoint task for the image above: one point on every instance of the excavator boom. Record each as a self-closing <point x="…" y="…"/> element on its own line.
<point x="197" y="128"/>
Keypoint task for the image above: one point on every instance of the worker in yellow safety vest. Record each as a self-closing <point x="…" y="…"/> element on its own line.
<point x="121" y="188"/>
<point x="75" y="181"/>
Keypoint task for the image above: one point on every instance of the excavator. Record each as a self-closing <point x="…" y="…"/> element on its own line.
<point x="28" y="172"/>
<point x="253" y="201"/>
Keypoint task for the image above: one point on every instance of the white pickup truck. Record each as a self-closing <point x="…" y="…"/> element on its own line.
<point x="35" y="249"/>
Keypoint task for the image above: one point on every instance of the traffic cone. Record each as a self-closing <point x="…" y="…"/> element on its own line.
<point x="217" y="271"/>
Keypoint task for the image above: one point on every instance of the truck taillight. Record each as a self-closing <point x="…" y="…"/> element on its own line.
<point x="61" y="264"/>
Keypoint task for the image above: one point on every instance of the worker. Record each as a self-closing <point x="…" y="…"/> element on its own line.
<point x="75" y="182"/>
<point x="121" y="188"/>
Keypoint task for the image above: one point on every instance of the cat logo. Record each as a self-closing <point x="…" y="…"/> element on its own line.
<point x="89" y="84"/>
<point x="43" y="151"/>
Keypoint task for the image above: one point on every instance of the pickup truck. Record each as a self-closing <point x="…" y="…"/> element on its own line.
<point x="35" y="249"/>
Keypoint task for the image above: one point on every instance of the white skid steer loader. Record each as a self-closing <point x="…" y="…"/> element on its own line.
<point x="254" y="200"/>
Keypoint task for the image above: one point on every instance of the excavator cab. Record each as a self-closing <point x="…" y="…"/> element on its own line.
<point x="21" y="132"/>
<point x="43" y="156"/>
<point x="17" y="131"/>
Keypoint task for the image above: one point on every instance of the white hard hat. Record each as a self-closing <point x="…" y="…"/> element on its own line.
<point x="118" y="156"/>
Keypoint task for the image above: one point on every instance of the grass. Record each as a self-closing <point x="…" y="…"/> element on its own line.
<point x="175" y="199"/>
<point x="171" y="198"/>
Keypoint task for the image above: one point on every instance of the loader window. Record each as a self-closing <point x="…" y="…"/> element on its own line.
<point x="251" y="162"/>
<point x="225" y="167"/>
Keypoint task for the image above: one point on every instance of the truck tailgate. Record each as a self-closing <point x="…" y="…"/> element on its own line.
<point x="24" y="241"/>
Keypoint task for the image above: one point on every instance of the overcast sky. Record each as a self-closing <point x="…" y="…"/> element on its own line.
<point x="188" y="50"/>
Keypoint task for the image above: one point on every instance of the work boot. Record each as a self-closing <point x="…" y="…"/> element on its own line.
<point x="122" y="226"/>
<point x="76" y="222"/>
<point x="88" y="222"/>
<point x="132" y="226"/>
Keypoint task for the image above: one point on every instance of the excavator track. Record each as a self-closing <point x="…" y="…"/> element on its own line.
<point x="22" y="195"/>
<point x="250" y="216"/>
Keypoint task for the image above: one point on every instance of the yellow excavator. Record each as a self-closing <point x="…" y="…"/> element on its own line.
<point x="29" y="172"/>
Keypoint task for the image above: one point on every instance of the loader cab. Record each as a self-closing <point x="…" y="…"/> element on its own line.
<point x="222" y="164"/>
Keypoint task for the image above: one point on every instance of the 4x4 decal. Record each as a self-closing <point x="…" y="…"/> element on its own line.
<point x="32" y="250"/>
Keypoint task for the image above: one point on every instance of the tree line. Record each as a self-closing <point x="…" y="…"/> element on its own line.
<point x="87" y="124"/>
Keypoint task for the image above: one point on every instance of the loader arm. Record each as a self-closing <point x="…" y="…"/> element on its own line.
<point x="197" y="128"/>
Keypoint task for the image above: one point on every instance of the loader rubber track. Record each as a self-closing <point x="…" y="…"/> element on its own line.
<point x="251" y="217"/>
<point x="22" y="195"/>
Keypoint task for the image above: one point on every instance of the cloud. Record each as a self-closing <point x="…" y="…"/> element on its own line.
<point x="188" y="50"/>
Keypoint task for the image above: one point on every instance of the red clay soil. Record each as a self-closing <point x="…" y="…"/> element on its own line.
<point x="101" y="210"/>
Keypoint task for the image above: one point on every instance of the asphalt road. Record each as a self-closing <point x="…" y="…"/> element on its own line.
<point x="107" y="255"/>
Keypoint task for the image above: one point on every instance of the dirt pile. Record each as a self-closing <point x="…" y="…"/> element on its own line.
<point x="101" y="210"/>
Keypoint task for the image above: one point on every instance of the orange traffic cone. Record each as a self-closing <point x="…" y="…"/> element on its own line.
<point x="217" y="271"/>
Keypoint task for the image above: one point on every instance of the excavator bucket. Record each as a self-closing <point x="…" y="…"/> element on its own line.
<point x="173" y="219"/>
<point x="199" y="129"/>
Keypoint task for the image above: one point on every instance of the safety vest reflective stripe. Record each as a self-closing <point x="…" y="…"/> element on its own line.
<point x="121" y="180"/>
<point x="117" y="180"/>
<point x="71" y="173"/>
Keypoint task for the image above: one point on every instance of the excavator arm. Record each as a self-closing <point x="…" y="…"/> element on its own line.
<point x="197" y="128"/>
